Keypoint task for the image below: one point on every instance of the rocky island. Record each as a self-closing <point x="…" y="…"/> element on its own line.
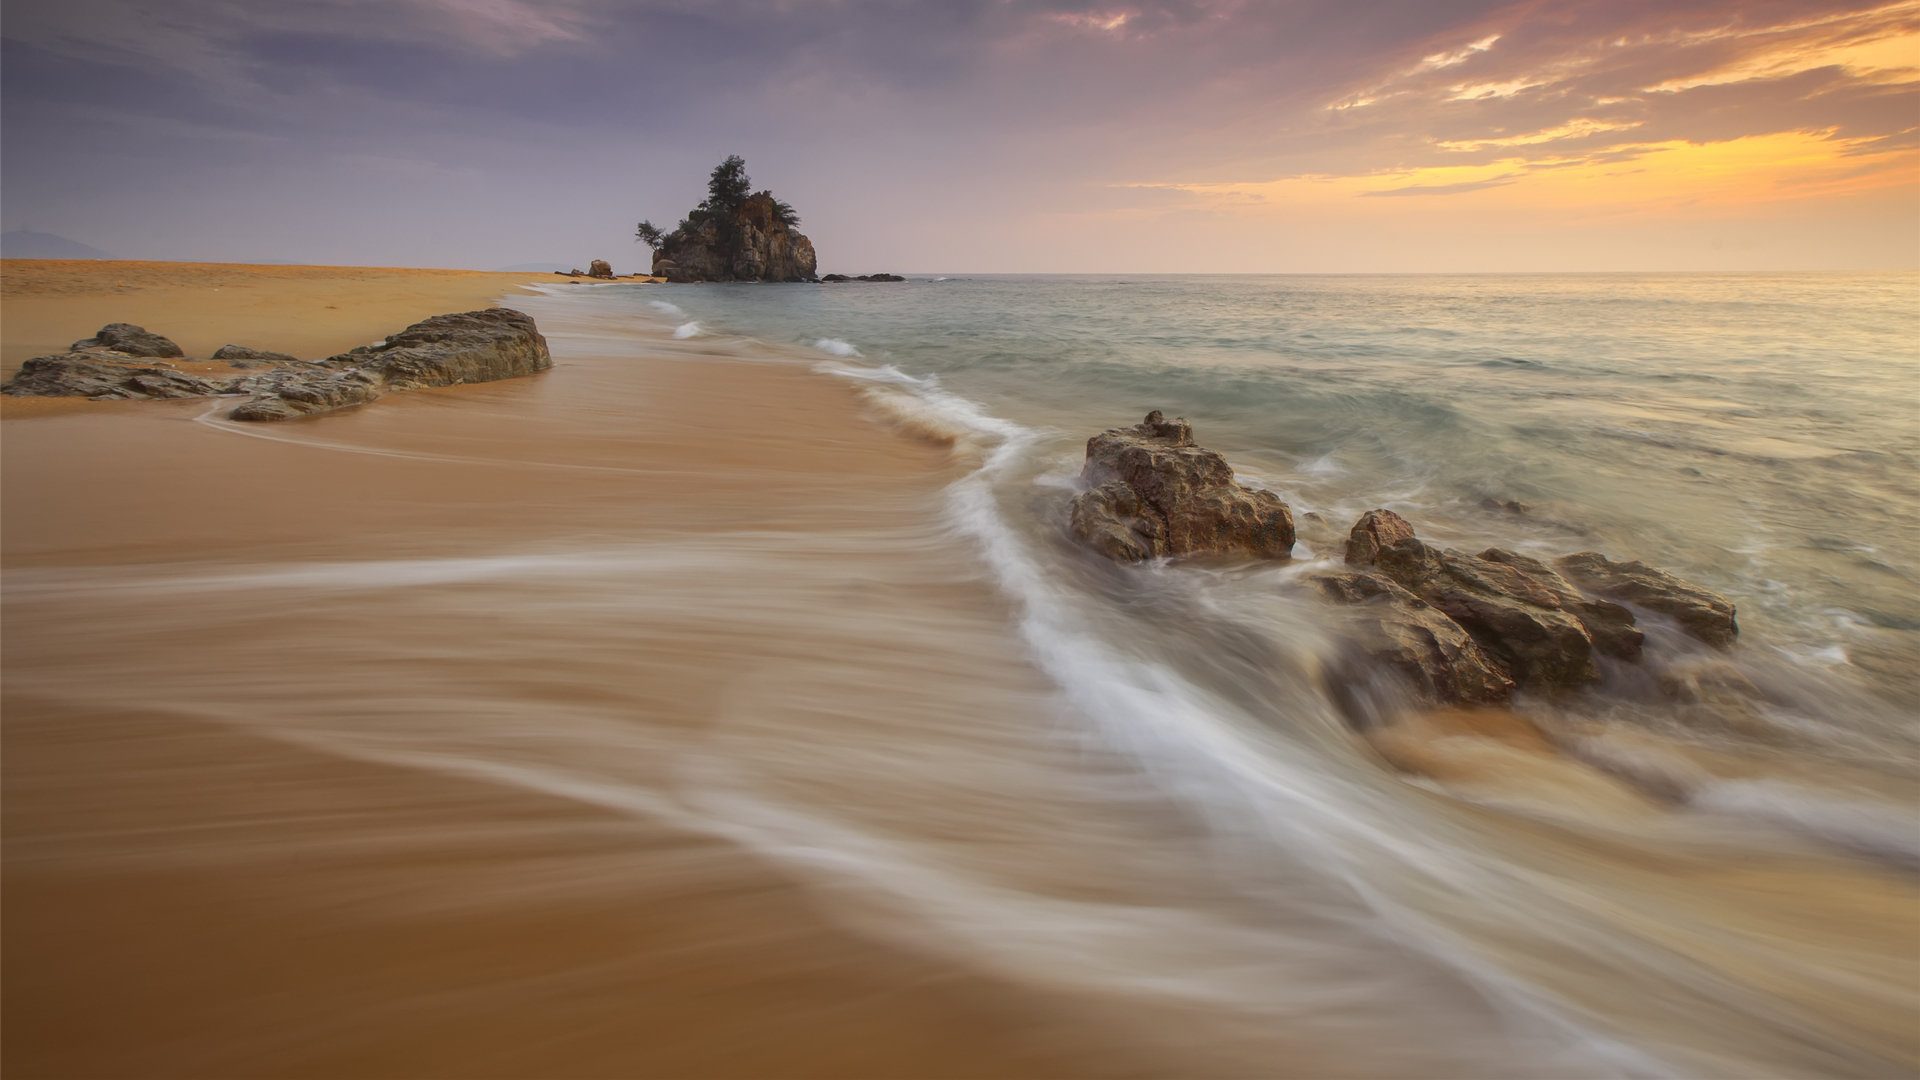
<point x="735" y="234"/>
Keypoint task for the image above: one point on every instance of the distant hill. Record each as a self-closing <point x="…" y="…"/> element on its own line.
<point x="537" y="268"/>
<point x="23" y="244"/>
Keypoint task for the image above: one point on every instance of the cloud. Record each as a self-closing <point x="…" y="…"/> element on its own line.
<point x="1446" y="189"/>
<point x="1002" y="113"/>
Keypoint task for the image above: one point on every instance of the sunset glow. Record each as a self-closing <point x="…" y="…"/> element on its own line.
<point x="1219" y="136"/>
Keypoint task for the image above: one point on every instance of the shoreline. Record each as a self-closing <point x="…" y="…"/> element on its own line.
<point x="224" y="858"/>
<point x="311" y="312"/>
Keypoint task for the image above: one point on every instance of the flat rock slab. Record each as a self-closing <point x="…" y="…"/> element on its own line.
<point x="104" y="378"/>
<point x="446" y="350"/>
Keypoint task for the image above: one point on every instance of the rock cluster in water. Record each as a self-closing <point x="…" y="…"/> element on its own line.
<point x="833" y="279"/>
<point x="446" y="350"/>
<point x="1457" y="627"/>
<point x="1153" y="492"/>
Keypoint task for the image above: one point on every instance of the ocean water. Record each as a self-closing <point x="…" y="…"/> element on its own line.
<point x="901" y="781"/>
<point x="1757" y="434"/>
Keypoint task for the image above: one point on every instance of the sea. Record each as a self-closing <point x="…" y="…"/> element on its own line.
<point x="1757" y="434"/>
<point x="838" y="756"/>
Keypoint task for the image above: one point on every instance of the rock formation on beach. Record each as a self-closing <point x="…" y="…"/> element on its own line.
<point x="446" y="350"/>
<point x="1536" y="627"/>
<point x="128" y="340"/>
<point x="1418" y="642"/>
<point x="241" y="356"/>
<point x="1454" y="627"/>
<point x="1542" y="630"/>
<point x="103" y="378"/>
<point x="733" y="236"/>
<point x="1701" y="612"/>
<point x="1153" y="492"/>
<point x="600" y="268"/>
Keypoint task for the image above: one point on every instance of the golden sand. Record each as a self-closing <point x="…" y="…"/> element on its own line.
<point x="187" y="897"/>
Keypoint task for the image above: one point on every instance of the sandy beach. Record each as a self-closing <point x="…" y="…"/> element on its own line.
<point x="729" y="703"/>
<point x="208" y="884"/>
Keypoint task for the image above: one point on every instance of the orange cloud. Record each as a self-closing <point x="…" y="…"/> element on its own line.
<point x="1635" y="179"/>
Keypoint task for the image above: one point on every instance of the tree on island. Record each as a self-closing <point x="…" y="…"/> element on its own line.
<point x="728" y="187"/>
<point x="735" y="234"/>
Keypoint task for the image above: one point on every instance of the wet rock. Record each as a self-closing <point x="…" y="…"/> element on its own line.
<point x="1375" y="527"/>
<point x="1153" y="493"/>
<point x="1539" y="628"/>
<point x="1701" y="612"/>
<point x="599" y="268"/>
<point x="1433" y="654"/>
<point x="446" y="350"/>
<point x="290" y="394"/>
<point x="91" y="375"/>
<point x="1611" y="626"/>
<point x="242" y="354"/>
<point x="128" y="340"/>
<point x="862" y="277"/>
<point x="1505" y="506"/>
<point x="468" y="347"/>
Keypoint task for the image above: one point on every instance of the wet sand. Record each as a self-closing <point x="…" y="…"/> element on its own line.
<point x="199" y="884"/>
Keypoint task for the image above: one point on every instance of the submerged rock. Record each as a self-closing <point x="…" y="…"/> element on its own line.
<point x="1701" y="612"/>
<point x="1154" y="493"/>
<point x="1433" y="654"/>
<point x="128" y="340"/>
<point x="91" y="375"/>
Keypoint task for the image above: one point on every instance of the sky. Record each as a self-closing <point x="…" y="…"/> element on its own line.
<point x="977" y="136"/>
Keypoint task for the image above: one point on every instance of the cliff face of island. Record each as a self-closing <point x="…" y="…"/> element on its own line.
<point x="733" y="236"/>
<point x="749" y="244"/>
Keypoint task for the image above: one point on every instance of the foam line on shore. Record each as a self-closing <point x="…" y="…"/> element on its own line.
<point x="1174" y="731"/>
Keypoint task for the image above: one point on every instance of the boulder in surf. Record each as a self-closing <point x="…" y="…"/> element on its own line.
<point x="1151" y="492"/>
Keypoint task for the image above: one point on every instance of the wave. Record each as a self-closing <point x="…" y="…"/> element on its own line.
<point x="1878" y="829"/>
<point x="1253" y="793"/>
<point x="836" y="347"/>
<point x="666" y="308"/>
<point x="686" y="330"/>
